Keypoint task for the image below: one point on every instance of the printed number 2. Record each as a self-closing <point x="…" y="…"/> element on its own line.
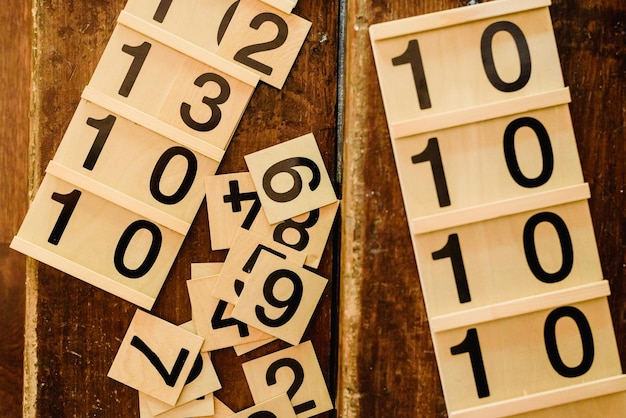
<point x="298" y="379"/>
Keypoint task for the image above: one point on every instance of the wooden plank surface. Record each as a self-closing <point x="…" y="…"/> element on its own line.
<point x="14" y="103"/>
<point x="79" y="328"/>
<point x="387" y="364"/>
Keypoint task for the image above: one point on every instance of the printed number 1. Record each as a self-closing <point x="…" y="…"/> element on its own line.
<point x="431" y="153"/>
<point x="413" y="57"/>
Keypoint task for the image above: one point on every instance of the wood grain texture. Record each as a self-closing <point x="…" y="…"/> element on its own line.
<point x="14" y="107"/>
<point x="387" y="364"/>
<point x="78" y="327"/>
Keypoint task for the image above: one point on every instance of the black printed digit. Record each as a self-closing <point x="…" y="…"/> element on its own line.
<point x="586" y="337"/>
<point x="290" y="304"/>
<point x="486" y="49"/>
<point x="236" y="197"/>
<point x="139" y="54"/>
<point x="228" y="16"/>
<point x="262" y="414"/>
<point x="69" y="202"/>
<point x="104" y="127"/>
<point x="413" y="57"/>
<point x="471" y="345"/>
<point x="299" y="227"/>
<point x="212" y="102"/>
<point x="243" y="55"/>
<point x="196" y="369"/>
<point x="298" y="379"/>
<point x="287" y="166"/>
<point x="124" y="242"/>
<point x="510" y="155"/>
<point x="188" y="179"/>
<point x="170" y="378"/>
<point x="161" y="11"/>
<point x="530" y="249"/>
<point x="255" y="256"/>
<point x="432" y="154"/>
<point x="452" y="250"/>
<point x="218" y="321"/>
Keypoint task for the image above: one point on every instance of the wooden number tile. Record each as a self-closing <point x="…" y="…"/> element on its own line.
<point x="233" y="202"/>
<point x="248" y="251"/>
<point x="201" y="382"/>
<point x="192" y="90"/>
<point x="201" y="407"/>
<point x="264" y="39"/>
<point x="611" y="405"/>
<point x="501" y="362"/>
<point x="242" y="349"/>
<point x="278" y="407"/>
<point x="291" y="178"/>
<point x="506" y="258"/>
<point x="294" y="370"/>
<point x="200" y="22"/>
<point x="137" y="162"/>
<point x="155" y="357"/>
<point x="280" y="299"/>
<point x="221" y="409"/>
<point x="213" y="318"/>
<point x="465" y="57"/>
<point x="202" y="270"/>
<point x="487" y="161"/>
<point x="98" y="242"/>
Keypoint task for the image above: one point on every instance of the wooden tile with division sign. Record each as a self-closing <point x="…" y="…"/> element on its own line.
<point x="444" y="167"/>
<point x="201" y="382"/>
<point x="291" y="178"/>
<point x="280" y="299"/>
<point x="303" y="382"/>
<point x="200" y="22"/>
<point x="213" y="318"/>
<point x="232" y="202"/>
<point x="497" y="364"/>
<point x="99" y="242"/>
<point x="265" y="40"/>
<point x="136" y="161"/>
<point x="528" y="252"/>
<point x="278" y="407"/>
<point x="197" y="91"/>
<point x="248" y="251"/>
<point x="465" y="57"/>
<point x="155" y="357"/>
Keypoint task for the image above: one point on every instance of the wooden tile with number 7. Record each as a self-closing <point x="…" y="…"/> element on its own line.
<point x="156" y="357"/>
<point x="291" y="178"/>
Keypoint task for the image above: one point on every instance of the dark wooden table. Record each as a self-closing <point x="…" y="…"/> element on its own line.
<point x="370" y="330"/>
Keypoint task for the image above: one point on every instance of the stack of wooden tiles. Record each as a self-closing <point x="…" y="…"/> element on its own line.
<point x="163" y="103"/>
<point x="497" y="208"/>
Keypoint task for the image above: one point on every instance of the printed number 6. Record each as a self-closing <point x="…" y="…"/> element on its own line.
<point x="287" y="166"/>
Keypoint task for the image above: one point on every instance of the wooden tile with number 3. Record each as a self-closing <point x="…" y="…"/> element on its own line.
<point x="197" y="92"/>
<point x="291" y="178"/>
<point x="294" y="370"/>
<point x="156" y="357"/>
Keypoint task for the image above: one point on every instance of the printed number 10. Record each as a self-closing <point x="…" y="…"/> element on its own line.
<point x="413" y="57"/>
